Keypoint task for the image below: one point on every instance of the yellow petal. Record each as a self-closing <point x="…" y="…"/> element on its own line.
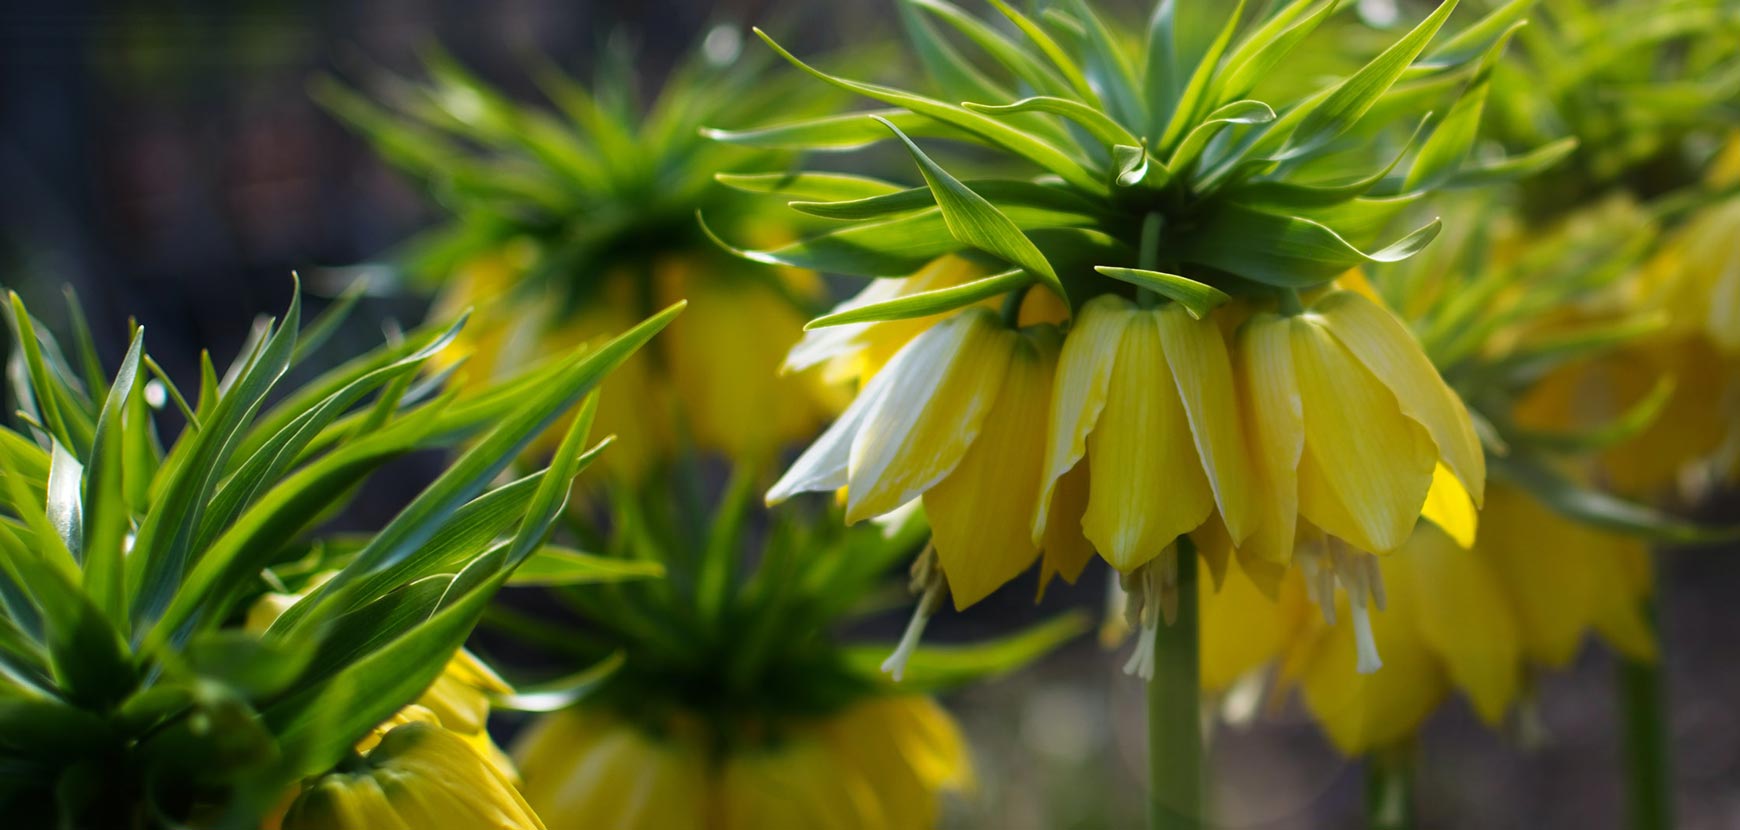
<point x="980" y="513"/>
<point x="1066" y="551"/>
<point x="1464" y="614"/>
<point x="1146" y="486"/>
<point x="1539" y="557"/>
<point x="1389" y="350"/>
<point x="1366" y="467"/>
<point x="1084" y="372"/>
<point x="940" y="388"/>
<point x="1197" y="355"/>
<point x="1242" y="630"/>
<point x="1362" y="712"/>
<point x="1622" y="570"/>
<point x="1449" y="507"/>
<point x="1273" y="420"/>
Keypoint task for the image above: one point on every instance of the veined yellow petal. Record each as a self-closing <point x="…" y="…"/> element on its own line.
<point x="1389" y="350"/>
<point x="1084" y="372"/>
<point x="860" y="350"/>
<point x="979" y="514"/>
<point x="1449" y="507"/>
<point x="1147" y="486"/>
<point x="1366" y="467"/>
<point x="938" y="395"/>
<point x="1197" y="355"/>
<point x="1362" y="712"/>
<point x="1464" y="614"/>
<point x="1066" y="551"/>
<point x="1274" y="423"/>
<point x="824" y="465"/>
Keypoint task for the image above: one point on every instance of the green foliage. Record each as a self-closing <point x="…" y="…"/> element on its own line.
<point x="744" y="635"/>
<point x="1193" y="172"/>
<point x="590" y="182"/>
<point x="130" y="693"/>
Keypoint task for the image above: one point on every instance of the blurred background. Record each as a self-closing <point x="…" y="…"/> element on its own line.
<point x="164" y="158"/>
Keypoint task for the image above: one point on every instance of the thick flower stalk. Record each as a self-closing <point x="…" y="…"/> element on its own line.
<point x="571" y="220"/>
<point x="134" y="693"/>
<point x="1180" y="225"/>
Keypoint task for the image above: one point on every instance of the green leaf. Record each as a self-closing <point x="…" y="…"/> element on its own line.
<point x="555" y="566"/>
<point x="1281" y="196"/>
<point x="1098" y="124"/>
<point x="420" y="520"/>
<point x="1599" y="509"/>
<point x="1134" y="166"/>
<point x="927" y="303"/>
<point x="834" y="133"/>
<point x="819" y="187"/>
<point x="1027" y="203"/>
<point x="975" y="221"/>
<point x="1630" y="423"/>
<point x="1337" y="112"/>
<point x="556" y="695"/>
<point x="955" y="76"/>
<point x="1476" y="40"/>
<point x="991" y="130"/>
<point x="934" y="668"/>
<point x="1237" y="112"/>
<point x="1196" y="95"/>
<point x="1030" y="68"/>
<point x="1263" y="51"/>
<point x="1060" y="60"/>
<point x="1287" y="251"/>
<point x="162" y="550"/>
<point x="241" y="660"/>
<point x="1197" y="298"/>
<point x="61" y="423"/>
<point x="1449" y="144"/>
<point x="107" y="519"/>
<point x="1514" y="168"/>
<point x="892" y="248"/>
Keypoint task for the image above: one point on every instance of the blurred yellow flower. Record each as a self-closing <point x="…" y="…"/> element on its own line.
<point x="420" y="777"/>
<point x="707" y="381"/>
<point x="1480" y="621"/>
<point x="881" y="764"/>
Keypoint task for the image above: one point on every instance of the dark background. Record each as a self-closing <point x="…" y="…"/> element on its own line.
<point x="165" y="159"/>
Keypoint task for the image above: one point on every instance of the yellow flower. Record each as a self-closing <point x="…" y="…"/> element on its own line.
<point x="1477" y="621"/>
<point x="880" y="764"/>
<point x="708" y="380"/>
<point x="953" y="418"/>
<point x="1146" y="397"/>
<point x="420" y="777"/>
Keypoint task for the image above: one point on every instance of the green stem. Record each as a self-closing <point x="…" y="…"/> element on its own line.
<point x="1643" y="706"/>
<point x="1389" y="788"/>
<point x="1175" y="757"/>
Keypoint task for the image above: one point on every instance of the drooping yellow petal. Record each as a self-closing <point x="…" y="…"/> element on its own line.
<point x="939" y="389"/>
<point x="1539" y="557"/>
<point x="1389" y="350"/>
<point x="1066" y="550"/>
<point x="1449" y="507"/>
<point x="980" y="514"/>
<point x="1084" y="373"/>
<point x="1463" y="613"/>
<point x="1242" y="630"/>
<point x="858" y="351"/>
<point x="1147" y="486"/>
<point x="1273" y="419"/>
<point x="1362" y="712"/>
<point x="1366" y="467"/>
<point x="1197" y="355"/>
<point x="906" y="751"/>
